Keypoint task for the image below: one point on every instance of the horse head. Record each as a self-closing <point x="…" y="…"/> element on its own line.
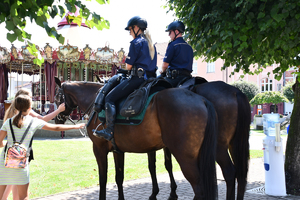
<point x="60" y="98"/>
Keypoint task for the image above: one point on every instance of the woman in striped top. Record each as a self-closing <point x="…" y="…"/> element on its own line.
<point x="11" y="111"/>
<point x="20" y="177"/>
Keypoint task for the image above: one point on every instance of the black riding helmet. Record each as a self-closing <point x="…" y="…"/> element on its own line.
<point x="138" y="21"/>
<point x="177" y="25"/>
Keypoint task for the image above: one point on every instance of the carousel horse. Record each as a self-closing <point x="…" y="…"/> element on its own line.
<point x="178" y="119"/>
<point x="234" y="118"/>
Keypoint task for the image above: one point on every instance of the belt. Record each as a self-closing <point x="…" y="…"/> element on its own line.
<point x="174" y="73"/>
<point x="137" y="72"/>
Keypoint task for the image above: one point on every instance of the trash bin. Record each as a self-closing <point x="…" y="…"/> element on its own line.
<point x="274" y="163"/>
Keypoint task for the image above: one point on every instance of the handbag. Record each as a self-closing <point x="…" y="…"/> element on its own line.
<point x="16" y="155"/>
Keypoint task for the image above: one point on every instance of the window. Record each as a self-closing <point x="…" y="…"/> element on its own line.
<point x="279" y="87"/>
<point x="266" y="85"/>
<point x="195" y="68"/>
<point x="210" y="67"/>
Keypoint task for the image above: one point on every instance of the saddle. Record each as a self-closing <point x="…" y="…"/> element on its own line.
<point x="190" y="82"/>
<point x="131" y="110"/>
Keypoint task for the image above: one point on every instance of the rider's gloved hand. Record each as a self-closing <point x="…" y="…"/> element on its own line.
<point x="162" y="75"/>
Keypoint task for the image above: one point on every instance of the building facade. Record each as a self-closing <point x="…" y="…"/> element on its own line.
<point x="265" y="81"/>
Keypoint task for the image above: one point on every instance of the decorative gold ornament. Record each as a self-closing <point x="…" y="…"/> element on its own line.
<point x="4" y="55"/>
<point x="87" y="52"/>
<point x="104" y="55"/>
<point x="68" y="53"/>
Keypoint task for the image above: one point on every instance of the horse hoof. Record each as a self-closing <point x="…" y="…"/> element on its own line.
<point x="152" y="198"/>
<point x="172" y="198"/>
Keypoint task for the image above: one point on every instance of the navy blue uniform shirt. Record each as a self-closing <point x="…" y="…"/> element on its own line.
<point x="139" y="55"/>
<point x="179" y="55"/>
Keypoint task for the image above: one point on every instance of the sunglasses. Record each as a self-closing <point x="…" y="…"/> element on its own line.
<point x="170" y="32"/>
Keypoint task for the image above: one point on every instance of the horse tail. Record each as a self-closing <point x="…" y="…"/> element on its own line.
<point x="240" y="142"/>
<point x="208" y="155"/>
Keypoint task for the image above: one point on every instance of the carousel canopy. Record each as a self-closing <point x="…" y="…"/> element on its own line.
<point x="15" y="58"/>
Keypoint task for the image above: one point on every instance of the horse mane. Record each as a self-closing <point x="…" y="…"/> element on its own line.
<point x="83" y="83"/>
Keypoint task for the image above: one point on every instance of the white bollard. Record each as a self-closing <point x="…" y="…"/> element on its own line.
<point x="274" y="164"/>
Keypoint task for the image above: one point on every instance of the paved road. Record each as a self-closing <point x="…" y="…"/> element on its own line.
<point x="141" y="188"/>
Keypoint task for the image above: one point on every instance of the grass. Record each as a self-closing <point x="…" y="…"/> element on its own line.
<point x="67" y="165"/>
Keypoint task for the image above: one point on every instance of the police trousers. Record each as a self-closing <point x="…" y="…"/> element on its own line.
<point x="123" y="89"/>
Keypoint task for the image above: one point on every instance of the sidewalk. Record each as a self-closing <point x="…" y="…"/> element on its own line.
<point x="141" y="188"/>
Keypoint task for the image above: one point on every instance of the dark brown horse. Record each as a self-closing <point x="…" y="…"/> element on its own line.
<point x="178" y="119"/>
<point x="234" y="118"/>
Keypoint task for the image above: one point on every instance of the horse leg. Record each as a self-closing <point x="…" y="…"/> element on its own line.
<point x="168" y="165"/>
<point x="191" y="172"/>
<point x="228" y="170"/>
<point x="101" y="158"/>
<point x="152" y="169"/>
<point x="119" y="167"/>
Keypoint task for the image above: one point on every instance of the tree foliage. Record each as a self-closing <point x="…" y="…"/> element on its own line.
<point x="16" y="13"/>
<point x="248" y="33"/>
<point x="248" y="88"/>
<point x="244" y="32"/>
<point x="288" y="92"/>
<point x="275" y="97"/>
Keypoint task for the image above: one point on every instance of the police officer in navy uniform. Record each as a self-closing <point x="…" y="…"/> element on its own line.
<point x="141" y="60"/>
<point x="178" y="60"/>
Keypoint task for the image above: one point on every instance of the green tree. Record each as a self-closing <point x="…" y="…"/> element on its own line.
<point x="250" y="32"/>
<point x="288" y="92"/>
<point x="274" y="97"/>
<point x="16" y="13"/>
<point x="248" y="88"/>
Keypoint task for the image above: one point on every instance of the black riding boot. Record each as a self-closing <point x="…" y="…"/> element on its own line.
<point x="110" y="113"/>
<point x="99" y="102"/>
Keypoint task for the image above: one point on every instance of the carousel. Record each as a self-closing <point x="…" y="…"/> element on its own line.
<point x="67" y="62"/>
<point x="73" y="61"/>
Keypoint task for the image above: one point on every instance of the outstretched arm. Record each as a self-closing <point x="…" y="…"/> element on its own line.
<point x="50" y="116"/>
<point x="62" y="127"/>
<point x="2" y="136"/>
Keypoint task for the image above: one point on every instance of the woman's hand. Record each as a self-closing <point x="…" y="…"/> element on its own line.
<point x="61" y="107"/>
<point x="3" y="143"/>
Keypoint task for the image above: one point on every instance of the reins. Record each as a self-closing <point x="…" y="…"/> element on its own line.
<point x="63" y="117"/>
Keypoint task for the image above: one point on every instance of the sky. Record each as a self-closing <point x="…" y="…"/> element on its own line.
<point x="118" y="12"/>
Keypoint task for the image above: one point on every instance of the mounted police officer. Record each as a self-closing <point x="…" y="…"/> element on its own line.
<point x="141" y="61"/>
<point x="178" y="60"/>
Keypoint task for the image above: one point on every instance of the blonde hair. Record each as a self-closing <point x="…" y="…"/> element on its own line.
<point x="150" y="44"/>
<point x="22" y="104"/>
<point x="12" y="111"/>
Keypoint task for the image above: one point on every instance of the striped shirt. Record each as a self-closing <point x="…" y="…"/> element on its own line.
<point x="10" y="176"/>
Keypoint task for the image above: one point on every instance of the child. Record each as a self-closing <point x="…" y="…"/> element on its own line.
<point x="20" y="122"/>
<point x="11" y="111"/>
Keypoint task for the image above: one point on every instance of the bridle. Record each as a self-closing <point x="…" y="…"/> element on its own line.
<point x="64" y="117"/>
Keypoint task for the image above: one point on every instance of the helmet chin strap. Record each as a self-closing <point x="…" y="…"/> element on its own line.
<point x="175" y="34"/>
<point x="136" y="34"/>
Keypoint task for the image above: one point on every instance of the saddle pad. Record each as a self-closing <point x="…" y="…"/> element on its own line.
<point x="128" y="121"/>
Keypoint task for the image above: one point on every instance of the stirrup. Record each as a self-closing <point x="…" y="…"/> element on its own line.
<point x="103" y="134"/>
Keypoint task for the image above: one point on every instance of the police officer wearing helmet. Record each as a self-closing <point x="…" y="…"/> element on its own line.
<point x="141" y="60"/>
<point x="178" y="60"/>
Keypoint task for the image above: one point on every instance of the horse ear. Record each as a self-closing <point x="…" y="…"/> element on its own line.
<point x="57" y="81"/>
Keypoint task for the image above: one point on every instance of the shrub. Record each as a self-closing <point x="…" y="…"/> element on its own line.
<point x="248" y="88"/>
